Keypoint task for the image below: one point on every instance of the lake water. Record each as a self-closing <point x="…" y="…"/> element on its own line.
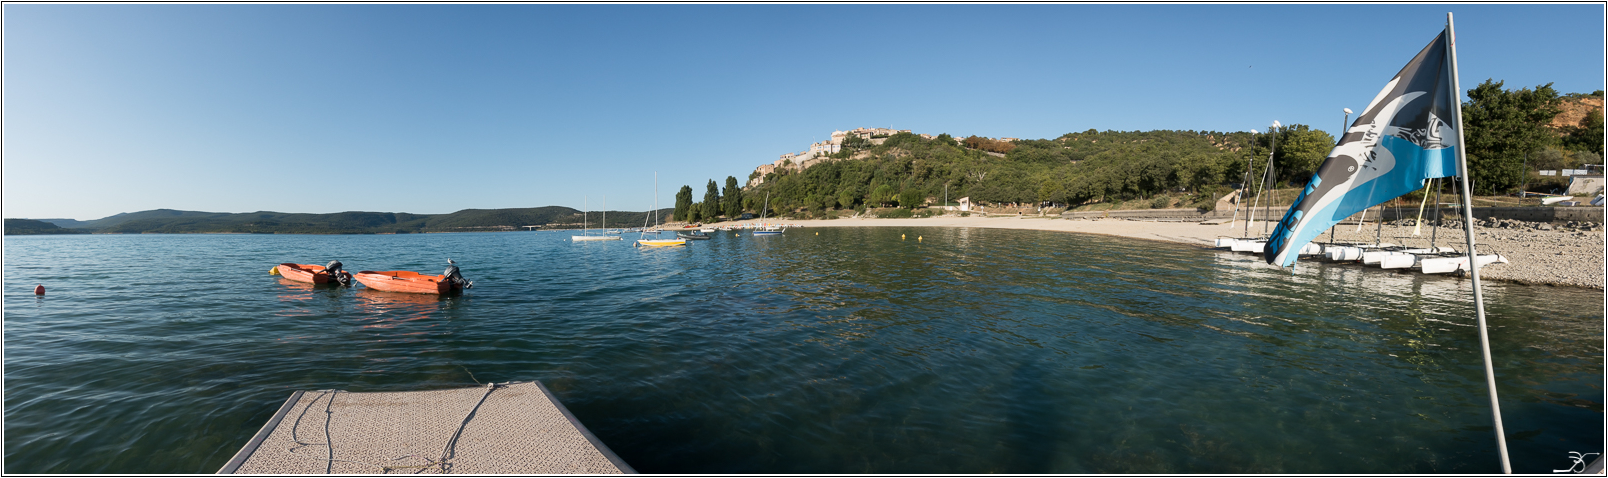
<point x="850" y="351"/>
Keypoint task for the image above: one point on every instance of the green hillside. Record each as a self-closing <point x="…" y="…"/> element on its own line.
<point x="1076" y="168"/>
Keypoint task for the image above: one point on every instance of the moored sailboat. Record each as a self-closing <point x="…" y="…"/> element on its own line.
<point x="585" y="236"/>
<point x="643" y="241"/>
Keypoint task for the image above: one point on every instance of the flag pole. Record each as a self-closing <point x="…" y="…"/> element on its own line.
<point x="1468" y="234"/>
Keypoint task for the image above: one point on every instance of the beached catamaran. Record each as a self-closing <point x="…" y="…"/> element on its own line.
<point x="1246" y="242"/>
<point x="1400" y="141"/>
<point x="767" y="229"/>
<point x="585" y="235"/>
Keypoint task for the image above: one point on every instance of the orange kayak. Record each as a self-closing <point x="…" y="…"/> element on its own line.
<point x="406" y="281"/>
<point x="306" y="273"/>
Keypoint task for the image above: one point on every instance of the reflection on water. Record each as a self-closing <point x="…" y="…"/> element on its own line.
<point x="852" y="351"/>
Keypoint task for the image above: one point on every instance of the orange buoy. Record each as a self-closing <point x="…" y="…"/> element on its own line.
<point x="39" y="290"/>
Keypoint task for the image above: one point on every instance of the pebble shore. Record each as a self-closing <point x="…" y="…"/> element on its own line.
<point x="1568" y="254"/>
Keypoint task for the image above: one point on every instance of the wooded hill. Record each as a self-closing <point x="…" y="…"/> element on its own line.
<point x="1508" y="131"/>
<point x="169" y="221"/>
<point x="29" y="226"/>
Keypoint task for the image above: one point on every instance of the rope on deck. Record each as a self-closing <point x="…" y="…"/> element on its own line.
<point x="447" y="452"/>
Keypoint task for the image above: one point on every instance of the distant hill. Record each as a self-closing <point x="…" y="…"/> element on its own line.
<point x="169" y="221"/>
<point x="64" y="222"/>
<point x="28" y="226"/>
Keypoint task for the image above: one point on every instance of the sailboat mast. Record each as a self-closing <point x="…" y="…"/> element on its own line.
<point x="1468" y="234"/>
<point x="1273" y="176"/>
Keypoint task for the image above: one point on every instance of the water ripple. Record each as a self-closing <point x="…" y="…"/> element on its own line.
<point x="851" y="351"/>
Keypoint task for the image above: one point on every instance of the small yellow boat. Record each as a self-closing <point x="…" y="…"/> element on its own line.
<point x="661" y="242"/>
<point x="644" y="241"/>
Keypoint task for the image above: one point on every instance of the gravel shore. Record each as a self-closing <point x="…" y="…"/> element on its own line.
<point x="1538" y="253"/>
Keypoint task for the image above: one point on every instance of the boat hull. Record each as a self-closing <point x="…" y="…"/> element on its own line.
<point x="1397" y="260"/>
<point x="661" y="242"/>
<point x="1311" y="249"/>
<point x="594" y="238"/>
<point x="404" y="281"/>
<point x="1444" y="265"/>
<point x="1251" y="246"/>
<point x="305" y="273"/>
<point x="1343" y="253"/>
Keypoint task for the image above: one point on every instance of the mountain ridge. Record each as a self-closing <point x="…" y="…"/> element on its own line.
<point x="173" y="221"/>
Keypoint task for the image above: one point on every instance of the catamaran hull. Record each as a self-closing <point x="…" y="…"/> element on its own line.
<point x="1343" y="253"/>
<point x="1444" y="265"/>
<point x="1397" y="260"/>
<point x="1248" y="246"/>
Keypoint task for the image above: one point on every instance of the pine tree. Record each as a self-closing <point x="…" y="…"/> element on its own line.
<point x="733" y="198"/>
<point x="1501" y="126"/>
<point x="711" y="202"/>
<point x="683" y="203"/>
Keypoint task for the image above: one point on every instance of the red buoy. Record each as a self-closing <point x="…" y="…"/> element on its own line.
<point x="39" y="290"/>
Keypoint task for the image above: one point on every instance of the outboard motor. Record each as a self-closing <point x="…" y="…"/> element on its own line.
<point x="335" y="272"/>
<point x="455" y="278"/>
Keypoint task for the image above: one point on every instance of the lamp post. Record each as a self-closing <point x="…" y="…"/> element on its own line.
<point x="1272" y="194"/>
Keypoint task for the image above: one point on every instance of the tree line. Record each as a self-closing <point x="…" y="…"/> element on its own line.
<point x="714" y="204"/>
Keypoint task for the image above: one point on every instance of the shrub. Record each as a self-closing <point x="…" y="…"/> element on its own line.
<point x="894" y="213"/>
<point x="1160" y="202"/>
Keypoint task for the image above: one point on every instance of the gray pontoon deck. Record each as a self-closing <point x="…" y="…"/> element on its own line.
<point x="504" y="428"/>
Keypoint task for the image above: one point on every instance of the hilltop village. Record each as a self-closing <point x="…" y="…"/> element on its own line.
<point x="820" y="151"/>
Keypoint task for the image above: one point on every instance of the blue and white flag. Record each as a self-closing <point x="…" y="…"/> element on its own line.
<point x="1405" y="136"/>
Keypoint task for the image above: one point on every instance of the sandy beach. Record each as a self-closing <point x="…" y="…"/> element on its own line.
<point x="1548" y="255"/>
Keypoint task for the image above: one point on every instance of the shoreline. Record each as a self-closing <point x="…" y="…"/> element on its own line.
<point x="1537" y="257"/>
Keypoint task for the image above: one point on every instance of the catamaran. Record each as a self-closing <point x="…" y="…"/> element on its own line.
<point x="768" y="229"/>
<point x="583" y="236"/>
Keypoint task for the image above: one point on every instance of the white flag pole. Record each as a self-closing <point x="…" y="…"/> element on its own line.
<point x="1468" y="234"/>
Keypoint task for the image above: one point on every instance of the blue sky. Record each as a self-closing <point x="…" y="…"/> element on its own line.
<point x="437" y="108"/>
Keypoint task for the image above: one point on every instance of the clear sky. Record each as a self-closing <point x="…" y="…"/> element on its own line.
<point x="436" y="108"/>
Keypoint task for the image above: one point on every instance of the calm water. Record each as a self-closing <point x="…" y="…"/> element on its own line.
<point x="851" y="351"/>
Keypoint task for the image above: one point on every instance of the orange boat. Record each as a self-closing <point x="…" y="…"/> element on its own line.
<point x="315" y="274"/>
<point x="409" y="281"/>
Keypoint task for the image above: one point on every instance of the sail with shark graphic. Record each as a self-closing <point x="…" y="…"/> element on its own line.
<point x="1405" y="136"/>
